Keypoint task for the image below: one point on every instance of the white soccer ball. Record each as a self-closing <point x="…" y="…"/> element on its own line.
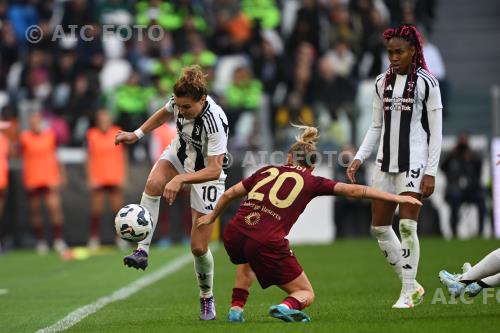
<point x="133" y="223"/>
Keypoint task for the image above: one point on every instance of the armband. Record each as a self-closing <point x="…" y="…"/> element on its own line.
<point x="139" y="133"/>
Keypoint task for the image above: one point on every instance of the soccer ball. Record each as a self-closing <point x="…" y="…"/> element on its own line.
<point x="133" y="223"/>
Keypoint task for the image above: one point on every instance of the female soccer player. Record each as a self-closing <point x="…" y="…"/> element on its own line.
<point x="4" y="170"/>
<point x="42" y="180"/>
<point x="484" y="274"/>
<point x="196" y="157"/>
<point x="255" y="238"/>
<point x="407" y="120"/>
<point x="106" y="168"/>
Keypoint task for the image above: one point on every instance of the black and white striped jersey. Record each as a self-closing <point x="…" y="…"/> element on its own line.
<point x="409" y="128"/>
<point x="198" y="138"/>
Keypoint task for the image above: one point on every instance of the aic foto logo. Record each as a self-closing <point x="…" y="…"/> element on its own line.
<point x="488" y="296"/>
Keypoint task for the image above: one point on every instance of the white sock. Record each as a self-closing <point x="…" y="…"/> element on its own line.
<point x="492" y="281"/>
<point x="488" y="266"/>
<point x="389" y="244"/>
<point x="152" y="204"/>
<point x="204" y="268"/>
<point x="410" y="252"/>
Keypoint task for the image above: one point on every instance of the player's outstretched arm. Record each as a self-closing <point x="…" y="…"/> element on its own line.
<point x="367" y="192"/>
<point x="236" y="191"/>
<point x="156" y="120"/>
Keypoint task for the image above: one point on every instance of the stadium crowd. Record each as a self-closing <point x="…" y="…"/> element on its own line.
<point x="308" y="58"/>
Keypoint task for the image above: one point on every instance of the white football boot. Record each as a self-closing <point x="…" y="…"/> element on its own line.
<point x="411" y="299"/>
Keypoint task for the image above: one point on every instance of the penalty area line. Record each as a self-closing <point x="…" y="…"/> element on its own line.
<point x="79" y="314"/>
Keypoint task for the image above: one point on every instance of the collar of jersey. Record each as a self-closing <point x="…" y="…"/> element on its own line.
<point x="205" y="108"/>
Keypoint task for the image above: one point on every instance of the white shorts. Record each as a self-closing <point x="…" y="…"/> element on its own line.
<point x="203" y="196"/>
<point x="397" y="183"/>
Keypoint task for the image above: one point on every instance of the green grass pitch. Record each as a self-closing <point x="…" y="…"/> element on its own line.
<point x="354" y="288"/>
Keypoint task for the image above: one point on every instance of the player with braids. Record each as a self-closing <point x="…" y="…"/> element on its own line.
<point x="255" y="238"/>
<point x="407" y="120"/>
<point x="409" y="33"/>
<point x="196" y="156"/>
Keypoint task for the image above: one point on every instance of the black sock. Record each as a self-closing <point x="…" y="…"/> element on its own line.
<point x="482" y="284"/>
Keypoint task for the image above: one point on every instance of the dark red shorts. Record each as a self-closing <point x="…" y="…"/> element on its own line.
<point x="107" y="188"/>
<point x="38" y="191"/>
<point x="273" y="264"/>
<point x="3" y="193"/>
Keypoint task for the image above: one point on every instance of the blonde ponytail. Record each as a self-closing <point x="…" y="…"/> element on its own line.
<point x="310" y="135"/>
<point x="304" y="150"/>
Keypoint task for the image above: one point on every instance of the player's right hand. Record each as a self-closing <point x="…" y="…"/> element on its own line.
<point x="352" y="169"/>
<point x="205" y="220"/>
<point x="125" y="137"/>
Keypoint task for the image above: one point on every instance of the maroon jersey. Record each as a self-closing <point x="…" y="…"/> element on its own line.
<point x="277" y="195"/>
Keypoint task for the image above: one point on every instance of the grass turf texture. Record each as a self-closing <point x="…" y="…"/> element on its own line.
<point x="354" y="287"/>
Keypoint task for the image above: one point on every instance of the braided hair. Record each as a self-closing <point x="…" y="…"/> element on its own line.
<point x="409" y="33"/>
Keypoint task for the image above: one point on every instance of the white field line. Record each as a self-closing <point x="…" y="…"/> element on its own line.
<point x="79" y="314"/>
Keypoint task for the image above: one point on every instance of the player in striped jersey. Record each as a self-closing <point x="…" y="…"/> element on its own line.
<point x="407" y="120"/>
<point x="196" y="157"/>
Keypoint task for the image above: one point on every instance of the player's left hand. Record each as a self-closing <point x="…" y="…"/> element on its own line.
<point x="427" y="185"/>
<point x="205" y="220"/>
<point x="406" y="199"/>
<point x="171" y="189"/>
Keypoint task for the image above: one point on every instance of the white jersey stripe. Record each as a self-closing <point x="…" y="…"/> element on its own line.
<point x="212" y="121"/>
<point x="206" y="121"/>
<point x="198" y="138"/>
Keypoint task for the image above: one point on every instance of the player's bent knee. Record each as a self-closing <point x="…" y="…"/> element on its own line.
<point x="198" y="251"/>
<point x="379" y="231"/>
<point x="154" y="187"/>
<point x="308" y="298"/>
<point x="311" y="297"/>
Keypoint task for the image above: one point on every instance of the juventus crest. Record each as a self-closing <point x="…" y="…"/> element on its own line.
<point x="411" y="85"/>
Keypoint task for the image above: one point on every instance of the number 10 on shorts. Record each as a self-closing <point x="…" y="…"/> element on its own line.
<point x="209" y="193"/>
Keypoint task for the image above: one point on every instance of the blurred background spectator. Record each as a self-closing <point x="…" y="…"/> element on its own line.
<point x="463" y="168"/>
<point x="106" y="172"/>
<point x="4" y="171"/>
<point x="43" y="176"/>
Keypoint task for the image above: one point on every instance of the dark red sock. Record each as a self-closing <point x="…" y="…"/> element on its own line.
<point x="58" y="231"/>
<point x="38" y="232"/>
<point x="239" y="297"/>
<point x="293" y="303"/>
<point x="95" y="225"/>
